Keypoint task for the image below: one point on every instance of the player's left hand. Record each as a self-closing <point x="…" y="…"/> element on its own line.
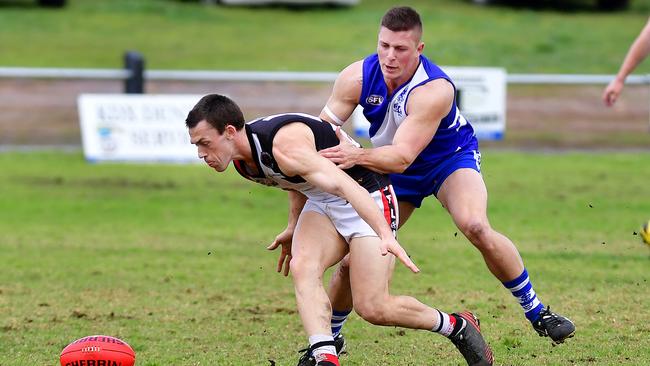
<point x="284" y="239"/>
<point x="345" y="154"/>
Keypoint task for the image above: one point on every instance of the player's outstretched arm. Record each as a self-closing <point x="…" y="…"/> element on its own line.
<point x="293" y="148"/>
<point x="638" y="51"/>
<point x="296" y="203"/>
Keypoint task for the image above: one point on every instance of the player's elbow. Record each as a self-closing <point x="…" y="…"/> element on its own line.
<point x="334" y="188"/>
<point x="401" y="167"/>
<point x="401" y="164"/>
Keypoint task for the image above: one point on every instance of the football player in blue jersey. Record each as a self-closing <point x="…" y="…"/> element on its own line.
<point x="422" y="139"/>
<point x="332" y="212"/>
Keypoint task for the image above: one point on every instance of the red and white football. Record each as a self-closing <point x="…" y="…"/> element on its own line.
<point x="98" y="350"/>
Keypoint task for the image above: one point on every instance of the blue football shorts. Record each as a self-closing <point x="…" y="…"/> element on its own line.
<point x="414" y="186"/>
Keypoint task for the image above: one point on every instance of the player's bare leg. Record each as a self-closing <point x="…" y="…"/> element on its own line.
<point x="378" y="309"/>
<point x="369" y="277"/>
<point x="339" y="290"/>
<point x="464" y="195"/>
<point x="340" y="296"/>
<point x="316" y="246"/>
<point x="405" y="211"/>
<point x="369" y="273"/>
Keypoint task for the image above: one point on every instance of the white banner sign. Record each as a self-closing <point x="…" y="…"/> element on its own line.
<point x="481" y="98"/>
<point x="130" y="127"/>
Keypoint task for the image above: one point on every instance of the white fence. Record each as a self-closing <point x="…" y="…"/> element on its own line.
<point x="182" y="75"/>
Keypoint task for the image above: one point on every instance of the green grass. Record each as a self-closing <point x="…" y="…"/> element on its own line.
<point x="171" y="258"/>
<point x="189" y="35"/>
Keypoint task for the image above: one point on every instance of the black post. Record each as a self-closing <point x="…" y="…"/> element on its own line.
<point x="134" y="62"/>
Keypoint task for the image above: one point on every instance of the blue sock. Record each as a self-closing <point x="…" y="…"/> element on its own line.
<point x="522" y="289"/>
<point x="338" y="318"/>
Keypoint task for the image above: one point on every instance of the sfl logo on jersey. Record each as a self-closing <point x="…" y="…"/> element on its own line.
<point x="375" y="99"/>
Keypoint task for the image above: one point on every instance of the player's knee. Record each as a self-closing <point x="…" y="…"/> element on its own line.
<point x="301" y="268"/>
<point x="372" y="311"/>
<point x="475" y="230"/>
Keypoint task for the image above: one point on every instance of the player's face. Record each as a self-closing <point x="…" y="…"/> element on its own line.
<point x="399" y="53"/>
<point x="214" y="148"/>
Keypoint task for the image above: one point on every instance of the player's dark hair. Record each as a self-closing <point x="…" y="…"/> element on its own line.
<point x="402" y="18"/>
<point x="218" y="110"/>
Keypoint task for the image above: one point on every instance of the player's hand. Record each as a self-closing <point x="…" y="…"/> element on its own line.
<point x="612" y="91"/>
<point x="391" y="245"/>
<point x="284" y="239"/>
<point x="345" y="154"/>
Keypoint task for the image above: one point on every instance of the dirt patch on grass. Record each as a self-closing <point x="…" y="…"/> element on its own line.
<point x="573" y="117"/>
<point x="44" y="112"/>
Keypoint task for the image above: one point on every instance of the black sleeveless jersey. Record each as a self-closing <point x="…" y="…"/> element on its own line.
<point x="261" y="132"/>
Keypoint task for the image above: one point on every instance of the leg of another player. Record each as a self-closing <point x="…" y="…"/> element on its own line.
<point x="340" y="295"/>
<point x="464" y="195"/>
<point x="316" y="246"/>
<point x="405" y="211"/>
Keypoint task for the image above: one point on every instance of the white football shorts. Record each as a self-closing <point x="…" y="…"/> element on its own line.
<point x="346" y="219"/>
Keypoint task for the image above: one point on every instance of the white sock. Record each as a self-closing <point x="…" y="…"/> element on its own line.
<point x="320" y="338"/>
<point x="445" y="325"/>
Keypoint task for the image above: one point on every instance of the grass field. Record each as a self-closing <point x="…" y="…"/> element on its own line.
<point x="175" y="34"/>
<point x="171" y="258"/>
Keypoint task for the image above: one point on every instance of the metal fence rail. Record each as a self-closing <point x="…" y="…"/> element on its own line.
<point x="240" y="75"/>
<point x="281" y="76"/>
<point x="572" y="79"/>
<point x="60" y="73"/>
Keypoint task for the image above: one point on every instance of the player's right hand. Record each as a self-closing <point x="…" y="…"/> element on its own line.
<point x="611" y="92"/>
<point x="284" y="238"/>
<point x="391" y="245"/>
<point x="345" y="154"/>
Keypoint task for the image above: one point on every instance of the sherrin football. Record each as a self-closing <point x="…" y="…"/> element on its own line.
<point x="98" y="350"/>
<point x="645" y="232"/>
